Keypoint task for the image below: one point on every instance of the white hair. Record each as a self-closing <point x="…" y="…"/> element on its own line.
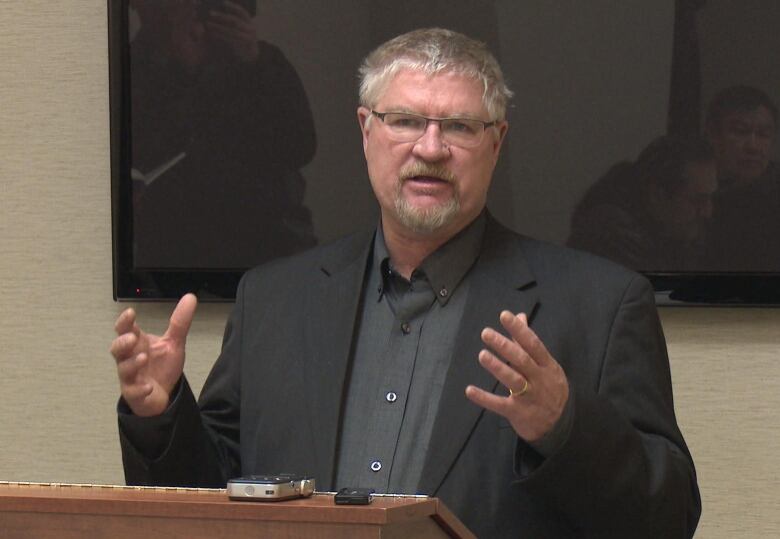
<point x="432" y="51"/>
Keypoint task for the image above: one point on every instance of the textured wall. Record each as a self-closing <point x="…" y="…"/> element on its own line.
<point x="57" y="381"/>
<point x="57" y="384"/>
<point x="726" y="372"/>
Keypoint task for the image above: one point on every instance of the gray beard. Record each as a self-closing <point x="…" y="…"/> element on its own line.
<point x="425" y="221"/>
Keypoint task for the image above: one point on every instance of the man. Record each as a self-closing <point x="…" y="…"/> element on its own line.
<point x="741" y="124"/>
<point x="651" y="214"/>
<point x="368" y="362"/>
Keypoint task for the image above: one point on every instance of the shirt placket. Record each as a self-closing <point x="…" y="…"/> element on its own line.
<point x="410" y="303"/>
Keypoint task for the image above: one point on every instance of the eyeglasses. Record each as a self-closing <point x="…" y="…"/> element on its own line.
<point x="461" y="132"/>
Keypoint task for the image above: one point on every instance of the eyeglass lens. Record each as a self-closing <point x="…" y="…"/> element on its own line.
<point x="455" y="131"/>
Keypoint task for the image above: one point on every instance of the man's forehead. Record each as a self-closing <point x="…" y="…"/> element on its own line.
<point x="449" y="89"/>
<point x="760" y="117"/>
<point x="419" y="77"/>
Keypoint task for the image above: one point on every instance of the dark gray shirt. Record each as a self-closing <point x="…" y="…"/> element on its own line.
<point x="404" y="343"/>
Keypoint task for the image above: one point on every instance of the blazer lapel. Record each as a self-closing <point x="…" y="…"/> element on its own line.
<point x="332" y="308"/>
<point x="500" y="279"/>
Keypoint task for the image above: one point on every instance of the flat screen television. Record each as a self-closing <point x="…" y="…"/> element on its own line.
<point x="233" y="146"/>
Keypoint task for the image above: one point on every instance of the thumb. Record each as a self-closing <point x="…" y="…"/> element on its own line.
<point x="181" y="319"/>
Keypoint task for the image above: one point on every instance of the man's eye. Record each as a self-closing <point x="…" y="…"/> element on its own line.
<point x="405" y="122"/>
<point x="455" y="126"/>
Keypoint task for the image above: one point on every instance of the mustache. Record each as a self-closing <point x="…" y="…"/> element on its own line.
<point x="427" y="169"/>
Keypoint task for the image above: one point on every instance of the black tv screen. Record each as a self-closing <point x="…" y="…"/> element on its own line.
<point x="234" y="137"/>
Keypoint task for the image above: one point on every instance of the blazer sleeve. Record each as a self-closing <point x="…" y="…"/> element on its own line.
<point x="203" y="437"/>
<point x="624" y="469"/>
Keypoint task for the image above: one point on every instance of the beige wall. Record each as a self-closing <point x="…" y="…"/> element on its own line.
<point x="57" y="382"/>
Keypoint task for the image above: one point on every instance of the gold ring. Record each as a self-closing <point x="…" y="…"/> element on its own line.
<point x="521" y="392"/>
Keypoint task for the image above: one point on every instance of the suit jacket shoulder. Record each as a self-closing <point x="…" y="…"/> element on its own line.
<point x="324" y="259"/>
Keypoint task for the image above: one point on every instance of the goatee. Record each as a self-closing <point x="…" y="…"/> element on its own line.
<point x="425" y="220"/>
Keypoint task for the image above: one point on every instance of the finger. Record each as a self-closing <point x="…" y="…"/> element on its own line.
<point x="181" y="319"/>
<point x="236" y="9"/>
<point x="232" y="23"/>
<point x="510" y="351"/>
<point x="489" y="401"/>
<point x="230" y="34"/>
<point x="128" y="369"/>
<point x="136" y="392"/>
<point x="125" y="321"/>
<point x="240" y="42"/>
<point x="517" y="326"/>
<point x="122" y="346"/>
<point x="506" y="375"/>
<point x="225" y="20"/>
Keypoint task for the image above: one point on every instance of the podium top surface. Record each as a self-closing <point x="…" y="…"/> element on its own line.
<point x="203" y="503"/>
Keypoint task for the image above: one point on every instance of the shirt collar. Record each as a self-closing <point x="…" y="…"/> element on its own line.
<point x="446" y="267"/>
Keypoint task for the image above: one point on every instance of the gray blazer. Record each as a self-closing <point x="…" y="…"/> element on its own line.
<point x="272" y="402"/>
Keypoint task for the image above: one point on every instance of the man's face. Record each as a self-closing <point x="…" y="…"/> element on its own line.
<point x="686" y="212"/>
<point x="428" y="186"/>
<point x="742" y="142"/>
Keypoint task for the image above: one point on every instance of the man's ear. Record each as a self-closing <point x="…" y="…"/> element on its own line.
<point x="502" y="128"/>
<point x="364" y="117"/>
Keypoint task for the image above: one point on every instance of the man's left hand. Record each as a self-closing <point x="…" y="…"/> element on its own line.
<point x="539" y="388"/>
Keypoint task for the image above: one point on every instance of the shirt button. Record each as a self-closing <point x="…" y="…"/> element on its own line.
<point x="391" y="396"/>
<point x="376" y="466"/>
<point x="406" y="328"/>
<point x="443" y="292"/>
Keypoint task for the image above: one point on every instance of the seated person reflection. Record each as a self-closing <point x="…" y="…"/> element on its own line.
<point x="221" y="127"/>
<point x="651" y="214"/>
<point x="741" y="123"/>
<point x="524" y="384"/>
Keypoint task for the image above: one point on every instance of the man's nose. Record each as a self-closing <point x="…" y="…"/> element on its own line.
<point x="431" y="146"/>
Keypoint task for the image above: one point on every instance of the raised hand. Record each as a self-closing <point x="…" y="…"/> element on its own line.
<point x="539" y="387"/>
<point x="149" y="366"/>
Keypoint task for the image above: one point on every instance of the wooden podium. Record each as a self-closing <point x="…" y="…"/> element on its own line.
<point x="65" y="511"/>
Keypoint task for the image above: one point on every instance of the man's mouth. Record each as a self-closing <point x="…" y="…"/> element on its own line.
<point x="426" y="173"/>
<point x="427" y="179"/>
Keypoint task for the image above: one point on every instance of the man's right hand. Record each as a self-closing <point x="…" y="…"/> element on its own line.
<point x="149" y="366"/>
